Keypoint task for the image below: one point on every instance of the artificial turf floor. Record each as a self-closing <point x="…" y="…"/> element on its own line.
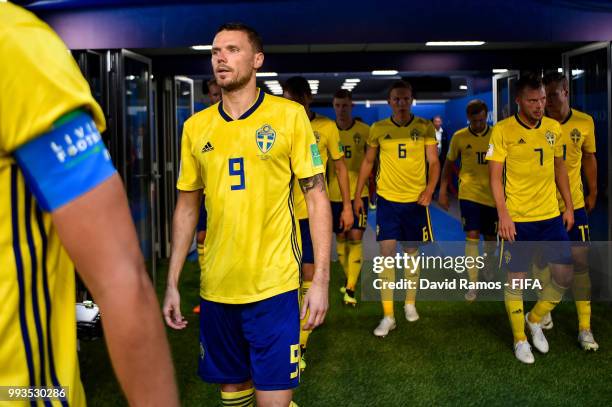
<point x="456" y="354"/>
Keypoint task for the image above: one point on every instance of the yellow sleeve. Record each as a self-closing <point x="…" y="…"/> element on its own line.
<point x="39" y="82"/>
<point x="430" y="135"/>
<point x="559" y="142"/>
<point x="453" y="149"/>
<point x="372" y="139"/>
<point x="190" y="177"/>
<point x="334" y="146"/>
<point x="497" y="148"/>
<point x="589" y="140"/>
<point x="305" y="157"/>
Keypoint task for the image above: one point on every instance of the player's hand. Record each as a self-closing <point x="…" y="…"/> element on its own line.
<point x="172" y="309"/>
<point x="568" y="219"/>
<point x="358" y="207"/>
<point x="316" y="301"/>
<point x="590" y="201"/>
<point x="507" y="230"/>
<point x="425" y="198"/>
<point x="346" y="219"/>
<point x="443" y="200"/>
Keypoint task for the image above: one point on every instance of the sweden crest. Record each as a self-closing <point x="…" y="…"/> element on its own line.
<point x="414" y="134"/>
<point x="550" y="137"/>
<point x="575" y="135"/>
<point x="357" y="138"/>
<point x="265" y="137"/>
<point x="317" y="136"/>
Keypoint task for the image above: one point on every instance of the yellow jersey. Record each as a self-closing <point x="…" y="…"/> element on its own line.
<point x="402" y="169"/>
<point x="529" y="155"/>
<point x="353" y="142"/>
<point x="39" y="83"/>
<point x="578" y="135"/>
<point x="328" y="142"/>
<point x="472" y="147"/>
<point x="252" y="249"/>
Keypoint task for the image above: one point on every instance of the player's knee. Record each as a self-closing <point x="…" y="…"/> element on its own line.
<point x="235" y="387"/>
<point x="201" y="237"/>
<point x="562" y="274"/>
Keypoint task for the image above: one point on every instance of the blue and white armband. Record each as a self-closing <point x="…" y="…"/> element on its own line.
<point x="65" y="163"/>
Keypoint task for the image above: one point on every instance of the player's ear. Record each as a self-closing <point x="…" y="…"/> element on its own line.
<point x="259" y="59"/>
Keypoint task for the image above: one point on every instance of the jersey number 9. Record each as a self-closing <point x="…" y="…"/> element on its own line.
<point x="236" y="168"/>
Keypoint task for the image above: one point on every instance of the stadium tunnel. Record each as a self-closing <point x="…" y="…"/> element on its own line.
<point x="139" y="59"/>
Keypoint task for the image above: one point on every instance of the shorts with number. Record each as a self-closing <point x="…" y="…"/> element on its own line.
<point x="519" y="255"/>
<point x="359" y="222"/>
<point x="476" y="216"/>
<point x="580" y="231"/>
<point x="405" y="222"/>
<point x="257" y="341"/>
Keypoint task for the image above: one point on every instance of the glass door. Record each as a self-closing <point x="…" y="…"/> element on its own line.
<point x="504" y="104"/>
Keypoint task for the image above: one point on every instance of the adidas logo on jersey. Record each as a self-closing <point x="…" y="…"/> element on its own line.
<point x="468" y="146"/>
<point x="387" y="137"/>
<point x="521" y="141"/>
<point x="207" y="147"/>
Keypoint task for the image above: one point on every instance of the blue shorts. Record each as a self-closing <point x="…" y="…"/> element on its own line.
<point x="580" y="231"/>
<point x="359" y="222"/>
<point x="258" y="341"/>
<point x="202" y="218"/>
<point x="307" y="250"/>
<point x="518" y="256"/>
<point x="405" y="222"/>
<point x="476" y="216"/>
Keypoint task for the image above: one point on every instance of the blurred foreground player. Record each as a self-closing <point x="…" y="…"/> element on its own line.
<point x="478" y="214"/>
<point x="529" y="147"/>
<point x="407" y="176"/>
<point x="579" y="153"/>
<point x="214" y="96"/>
<point x="245" y="151"/>
<point x="60" y="197"/>
<point x="353" y="137"/>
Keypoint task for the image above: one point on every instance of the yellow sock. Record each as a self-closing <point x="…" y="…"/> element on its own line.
<point x="581" y="288"/>
<point x="355" y="254"/>
<point x="412" y="275"/>
<point x="342" y="249"/>
<point x="514" y="307"/>
<point x="244" y="398"/>
<point x="471" y="250"/>
<point x="304" y="334"/>
<point x="293" y="404"/>
<point x="201" y="254"/>
<point x="386" y="294"/>
<point x="550" y="297"/>
<point x="542" y="274"/>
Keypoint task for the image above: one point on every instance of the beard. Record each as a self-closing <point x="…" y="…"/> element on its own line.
<point x="238" y="83"/>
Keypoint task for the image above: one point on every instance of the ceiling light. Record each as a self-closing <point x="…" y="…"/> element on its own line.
<point x="500" y="70"/>
<point x="352" y="80"/>
<point x="384" y="72"/>
<point x="271" y="82"/>
<point x="560" y="70"/>
<point x="463" y="87"/>
<point x="313" y="81"/>
<point x="265" y="74"/>
<point x="201" y="47"/>
<point x="454" y="43"/>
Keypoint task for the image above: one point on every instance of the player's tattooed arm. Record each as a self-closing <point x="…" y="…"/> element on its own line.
<point x="315" y="182"/>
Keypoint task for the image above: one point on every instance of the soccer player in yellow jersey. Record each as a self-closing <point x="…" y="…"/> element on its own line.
<point x="353" y="137"/>
<point x="246" y="151"/>
<point x="530" y="148"/>
<point x="478" y="214"/>
<point x="407" y="176"/>
<point x="214" y="95"/>
<point x="61" y="200"/>
<point x="328" y="141"/>
<point x="579" y="153"/>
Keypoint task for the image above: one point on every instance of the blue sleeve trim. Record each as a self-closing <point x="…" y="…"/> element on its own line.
<point x="65" y="163"/>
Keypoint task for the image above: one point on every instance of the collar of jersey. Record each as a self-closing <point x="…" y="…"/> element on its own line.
<point x="479" y="135"/>
<point x="569" y="116"/>
<point x="349" y="127"/>
<point x="405" y="125"/>
<point x="537" y="126"/>
<point x="246" y="114"/>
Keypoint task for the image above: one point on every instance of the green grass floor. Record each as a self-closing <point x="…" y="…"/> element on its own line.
<point x="456" y="354"/>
